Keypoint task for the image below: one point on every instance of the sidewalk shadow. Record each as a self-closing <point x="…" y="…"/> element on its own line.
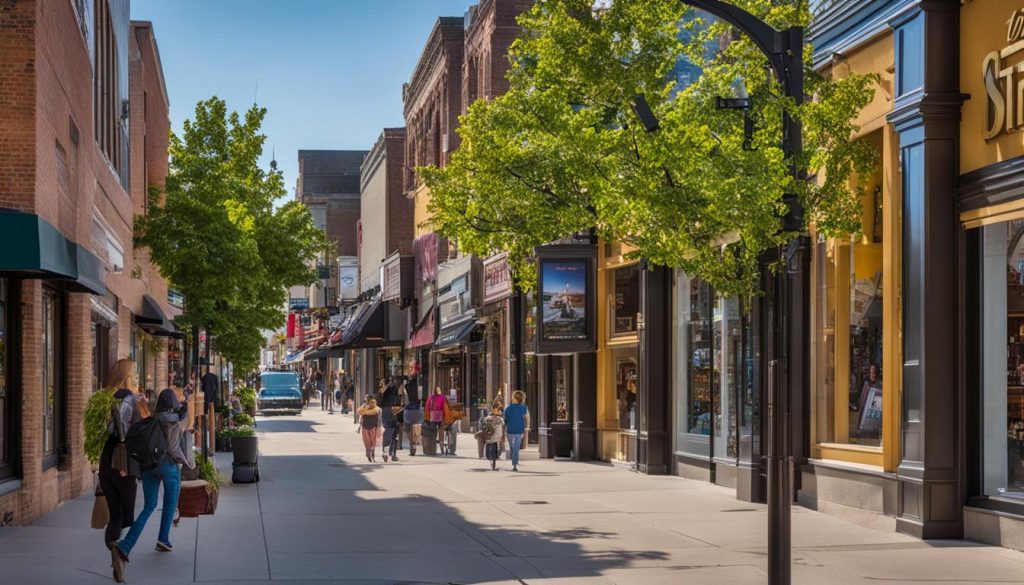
<point x="324" y="516"/>
<point x="286" y="425"/>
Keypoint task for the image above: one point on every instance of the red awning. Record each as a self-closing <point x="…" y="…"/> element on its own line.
<point x="423" y="334"/>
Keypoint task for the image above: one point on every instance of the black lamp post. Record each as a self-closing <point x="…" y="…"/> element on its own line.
<point x="784" y="49"/>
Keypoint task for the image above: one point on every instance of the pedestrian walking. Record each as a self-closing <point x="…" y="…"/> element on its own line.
<point x="370" y="427"/>
<point x="171" y="413"/>
<point x="435" y="409"/>
<point x="307" y="389"/>
<point x="492" y="433"/>
<point x="350" y="391"/>
<point x="335" y="392"/>
<point x="517" y="420"/>
<point x="453" y="414"/>
<point x="118" y="473"/>
<point x="392" y="402"/>
<point x="412" y="418"/>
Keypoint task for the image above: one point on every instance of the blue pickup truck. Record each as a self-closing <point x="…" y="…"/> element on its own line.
<point x="279" y="392"/>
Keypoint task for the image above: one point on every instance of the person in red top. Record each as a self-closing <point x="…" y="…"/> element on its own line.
<point x="435" y="410"/>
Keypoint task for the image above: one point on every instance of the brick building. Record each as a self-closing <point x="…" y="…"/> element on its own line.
<point x="490" y="29"/>
<point x="83" y="130"/>
<point x="386" y="222"/>
<point x="328" y="184"/>
<point x="432" y="103"/>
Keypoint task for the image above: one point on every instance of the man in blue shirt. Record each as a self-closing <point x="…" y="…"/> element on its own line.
<point x="517" y="420"/>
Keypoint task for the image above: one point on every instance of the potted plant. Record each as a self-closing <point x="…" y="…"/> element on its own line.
<point x="200" y="496"/>
<point x="247" y="396"/>
<point x="244" y="420"/>
<point x="224" y="439"/>
<point x="243" y="444"/>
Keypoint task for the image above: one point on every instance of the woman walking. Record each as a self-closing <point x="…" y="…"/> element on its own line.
<point x="492" y="434"/>
<point x="412" y="416"/>
<point x="435" y="408"/>
<point x="517" y="420"/>
<point x="170" y="413"/>
<point x="392" y="402"/>
<point x="118" y="473"/>
<point x="370" y="427"/>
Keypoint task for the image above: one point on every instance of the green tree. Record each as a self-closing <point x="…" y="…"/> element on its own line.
<point x="216" y="236"/>
<point x="563" y="150"/>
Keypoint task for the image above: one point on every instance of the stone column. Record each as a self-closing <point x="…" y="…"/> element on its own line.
<point x="654" y="396"/>
<point x="926" y="115"/>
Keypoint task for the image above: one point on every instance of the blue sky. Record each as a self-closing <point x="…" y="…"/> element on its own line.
<point x="330" y="72"/>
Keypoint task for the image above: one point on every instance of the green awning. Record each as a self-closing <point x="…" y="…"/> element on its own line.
<point x="153" y="318"/>
<point x="30" y="247"/>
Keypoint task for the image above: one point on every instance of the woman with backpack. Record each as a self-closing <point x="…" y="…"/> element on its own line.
<point x="118" y="473"/>
<point x="170" y="414"/>
<point x="492" y="434"/>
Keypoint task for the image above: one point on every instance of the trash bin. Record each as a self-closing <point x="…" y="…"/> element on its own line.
<point x="429" y="438"/>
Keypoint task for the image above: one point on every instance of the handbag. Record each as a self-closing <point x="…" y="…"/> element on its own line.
<point x="188" y="448"/>
<point x="100" y="511"/>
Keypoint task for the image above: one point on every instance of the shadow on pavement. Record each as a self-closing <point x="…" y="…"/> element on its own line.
<point x="285" y="425"/>
<point x="326" y="519"/>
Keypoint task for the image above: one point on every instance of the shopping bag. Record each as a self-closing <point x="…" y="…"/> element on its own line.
<point x="100" y="511"/>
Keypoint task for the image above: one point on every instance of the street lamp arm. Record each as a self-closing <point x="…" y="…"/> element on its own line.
<point x="772" y="42"/>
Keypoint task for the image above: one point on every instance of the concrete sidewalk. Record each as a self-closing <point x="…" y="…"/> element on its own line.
<point x="323" y="514"/>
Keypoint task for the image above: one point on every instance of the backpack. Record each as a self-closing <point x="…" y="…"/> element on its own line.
<point x="146" y="442"/>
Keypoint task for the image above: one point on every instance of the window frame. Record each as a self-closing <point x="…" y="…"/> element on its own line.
<point x="54" y="328"/>
<point x="886" y="455"/>
<point x="10" y="422"/>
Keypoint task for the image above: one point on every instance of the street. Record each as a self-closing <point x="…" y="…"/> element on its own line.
<point x="322" y="514"/>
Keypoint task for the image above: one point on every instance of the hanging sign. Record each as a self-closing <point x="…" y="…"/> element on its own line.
<point x="566" y="303"/>
<point x="497" y="279"/>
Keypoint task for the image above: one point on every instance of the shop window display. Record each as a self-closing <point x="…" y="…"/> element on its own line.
<point x="53" y="395"/>
<point x="625" y="289"/>
<point x="625" y="387"/>
<point x="715" y="375"/>
<point x="1002" y="392"/>
<point x="848" y="321"/>
<point x="6" y="428"/>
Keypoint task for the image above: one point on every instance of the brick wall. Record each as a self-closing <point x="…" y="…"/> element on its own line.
<point x="17" y="103"/>
<point x="51" y="165"/>
<point x="400" y="209"/>
<point x="342" y="217"/>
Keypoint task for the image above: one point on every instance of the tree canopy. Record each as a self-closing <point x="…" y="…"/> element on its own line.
<point x="216" y="236"/>
<point x="563" y="151"/>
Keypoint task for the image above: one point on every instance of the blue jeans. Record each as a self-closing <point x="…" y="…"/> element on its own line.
<point x="170" y="475"/>
<point x="515" y="442"/>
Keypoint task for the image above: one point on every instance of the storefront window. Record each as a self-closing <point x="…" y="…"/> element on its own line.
<point x="714" y="375"/>
<point x="625" y="386"/>
<point x="6" y="424"/>
<point x="1002" y="410"/>
<point x="176" y="374"/>
<point x="560" y="383"/>
<point x="100" y="353"/>
<point x="848" y="320"/>
<point x="530" y="388"/>
<point x="728" y="369"/>
<point x="625" y="290"/>
<point x="52" y="392"/>
<point x="695" y="319"/>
